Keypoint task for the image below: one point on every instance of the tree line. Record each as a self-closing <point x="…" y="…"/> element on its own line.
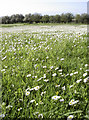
<point x="38" y="18"/>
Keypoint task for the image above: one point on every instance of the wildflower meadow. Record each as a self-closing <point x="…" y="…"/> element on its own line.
<point x="44" y="74"/>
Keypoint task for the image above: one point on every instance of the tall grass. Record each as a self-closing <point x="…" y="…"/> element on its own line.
<point x="44" y="75"/>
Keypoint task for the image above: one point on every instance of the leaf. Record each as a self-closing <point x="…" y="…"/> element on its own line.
<point x="79" y="111"/>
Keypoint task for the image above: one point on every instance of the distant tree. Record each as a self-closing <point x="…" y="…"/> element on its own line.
<point x="52" y="19"/>
<point x="78" y="18"/>
<point x="45" y="19"/>
<point x="19" y="18"/>
<point x="36" y="17"/>
<point x="31" y="18"/>
<point x="69" y="17"/>
<point x="66" y="18"/>
<point x="63" y="18"/>
<point x="27" y="18"/>
<point x="5" y="20"/>
<point x="13" y="19"/>
<point x="57" y="18"/>
<point x="85" y="18"/>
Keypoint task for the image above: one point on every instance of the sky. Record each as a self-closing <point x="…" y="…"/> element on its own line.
<point x="50" y="7"/>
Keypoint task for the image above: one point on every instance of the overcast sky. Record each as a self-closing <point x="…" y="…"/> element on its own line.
<point x="51" y="7"/>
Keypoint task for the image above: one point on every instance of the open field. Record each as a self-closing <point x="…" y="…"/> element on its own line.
<point x="44" y="27"/>
<point x="45" y="72"/>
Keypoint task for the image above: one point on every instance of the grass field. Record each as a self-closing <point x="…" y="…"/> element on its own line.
<point x="45" y="74"/>
<point x="48" y="24"/>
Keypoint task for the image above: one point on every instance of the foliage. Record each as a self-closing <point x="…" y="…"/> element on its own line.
<point x="37" y="18"/>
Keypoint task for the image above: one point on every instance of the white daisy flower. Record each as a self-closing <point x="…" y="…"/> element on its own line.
<point x="2" y="115"/>
<point x="63" y="88"/>
<point x="33" y="59"/>
<point x="31" y="89"/>
<point x="75" y="91"/>
<point x="71" y="74"/>
<point x="56" y="97"/>
<point x="36" y="104"/>
<point x="36" y="88"/>
<point x="70" y="117"/>
<point x="51" y="67"/>
<point x="19" y="109"/>
<point x="12" y="85"/>
<point x="78" y="81"/>
<point x="60" y="70"/>
<point x="54" y="74"/>
<point x="72" y="102"/>
<point x="27" y="93"/>
<point x="86" y="65"/>
<point x="57" y="86"/>
<point x="46" y="80"/>
<point x="80" y="68"/>
<point x="47" y="57"/>
<point x="32" y="101"/>
<point x="86" y="79"/>
<point x="35" y="76"/>
<point x="44" y="66"/>
<point x="9" y="106"/>
<point x="35" y="65"/>
<point x="2" y="70"/>
<point x="40" y="116"/>
<point x="28" y="75"/>
<point x="75" y="101"/>
<point x="60" y="73"/>
<point x="37" y="59"/>
<point x="61" y="100"/>
<point x="40" y="79"/>
<point x="76" y="72"/>
<point x="44" y="76"/>
<point x="71" y="86"/>
<point x="62" y="59"/>
<point x="20" y="99"/>
<point x="43" y="93"/>
<point x="57" y="68"/>
<point x="66" y="74"/>
<point x="85" y="74"/>
<point x="5" y="66"/>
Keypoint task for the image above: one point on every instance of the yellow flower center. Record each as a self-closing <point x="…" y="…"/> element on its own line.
<point x="57" y="93"/>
